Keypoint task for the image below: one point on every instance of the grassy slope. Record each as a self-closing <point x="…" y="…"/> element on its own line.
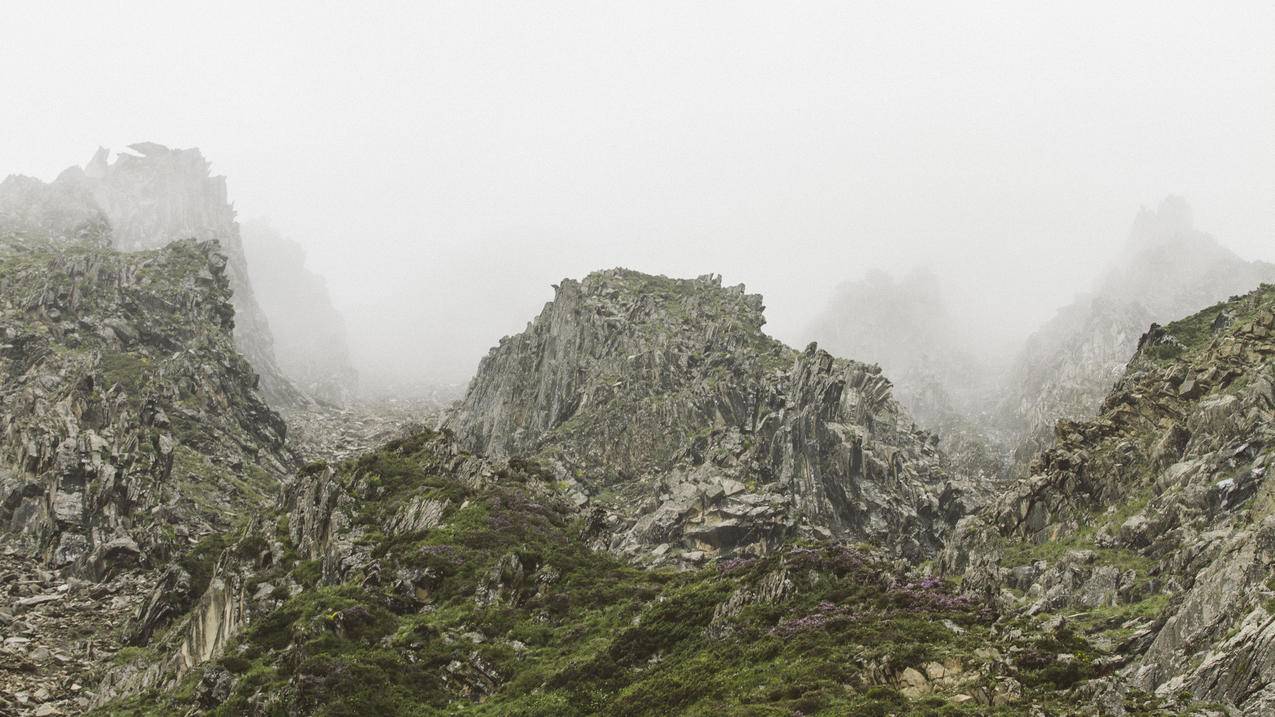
<point x="587" y="634"/>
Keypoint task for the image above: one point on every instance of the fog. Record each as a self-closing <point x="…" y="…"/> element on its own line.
<point x="443" y="163"/>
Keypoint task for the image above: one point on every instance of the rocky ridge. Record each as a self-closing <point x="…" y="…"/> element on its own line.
<point x="131" y="424"/>
<point x="422" y="579"/>
<point x="132" y="430"/>
<point x="149" y="198"/>
<point x="691" y="434"/>
<point x="1169" y="269"/>
<point x="166" y="554"/>
<point x="159" y="195"/>
<point x="1149" y="529"/>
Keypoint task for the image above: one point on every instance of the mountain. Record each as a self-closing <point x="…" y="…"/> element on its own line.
<point x="1148" y="529"/>
<point x="149" y="199"/>
<point x="129" y="415"/>
<point x="309" y="334"/>
<point x="1168" y="269"/>
<point x="692" y="434"/>
<point x="424" y="578"/>
<point x="642" y="505"/>
<point x="131" y="429"/>
<point x="421" y="579"/>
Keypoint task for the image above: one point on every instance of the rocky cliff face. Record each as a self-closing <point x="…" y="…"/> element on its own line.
<point x="130" y="423"/>
<point x="1149" y="529"/>
<point x="663" y="406"/>
<point x="156" y="196"/>
<point x="131" y="429"/>
<point x="309" y="335"/>
<point x="1169" y="269"/>
<point x="422" y="576"/>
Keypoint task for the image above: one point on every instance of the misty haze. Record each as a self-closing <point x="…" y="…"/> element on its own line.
<point x="637" y="359"/>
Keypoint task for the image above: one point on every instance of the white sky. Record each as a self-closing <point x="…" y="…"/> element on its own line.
<point x="443" y="163"/>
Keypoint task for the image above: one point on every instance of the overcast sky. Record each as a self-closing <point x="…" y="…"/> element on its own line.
<point x="443" y="163"/>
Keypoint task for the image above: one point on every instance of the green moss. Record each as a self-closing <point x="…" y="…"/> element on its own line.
<point x="130" y="654"/>
<point x="129" y="371"/>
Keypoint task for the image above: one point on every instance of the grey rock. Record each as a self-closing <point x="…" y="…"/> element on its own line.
<point x="718" y="438"/>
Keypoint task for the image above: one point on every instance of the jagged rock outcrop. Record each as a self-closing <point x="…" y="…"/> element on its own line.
<point x="131" y="425"/>
<point x="1169" y="269"/>
<point x="1152" y="526"/>
<point x="662" y="403"/>
<point x="149" y="199"/>
<point x="309" y="335"/>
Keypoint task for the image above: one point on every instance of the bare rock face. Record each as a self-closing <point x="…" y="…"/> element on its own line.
<point x="1169" y="269"/>
<point x="663" y="405"/>
<point x="130" y="424"/>
<point x="159" y="195"/>
<point x="1152" y="526"/>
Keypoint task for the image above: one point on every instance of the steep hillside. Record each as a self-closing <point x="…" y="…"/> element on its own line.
<point x="1169" y="269"/>
<point x="692" y="434"/>
<point x="149" y="199"/>
<point x="130" y="429"/>
<point x="161" y="194"/>
<point x="1149" y="529"/>
<point x="422" y="580"/>
<point x="130" y="421"/>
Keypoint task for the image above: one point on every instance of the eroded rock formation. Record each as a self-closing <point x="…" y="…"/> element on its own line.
<point x="130" y="423"/>
<point x="150" y="198"/>
<point x="1169" y="269"/>
<point x="661" y="403"/>
<point x="1150" y="527"/>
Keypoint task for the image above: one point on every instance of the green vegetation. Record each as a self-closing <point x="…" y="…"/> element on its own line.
<point x="512" y="614"/>
<point x="127" y="370"/>
<point x="1195" y="332"/>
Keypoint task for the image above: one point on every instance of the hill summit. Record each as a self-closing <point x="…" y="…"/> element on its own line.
<point x="692" y="434"/>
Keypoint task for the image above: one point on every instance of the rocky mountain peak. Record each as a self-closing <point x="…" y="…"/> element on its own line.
<point x="1151" y="524"/>
<point x="1067" y="367"/>
<point x="156" y="195"/>
<point x="662" y="405"/>
<point x="132" y="426"/>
